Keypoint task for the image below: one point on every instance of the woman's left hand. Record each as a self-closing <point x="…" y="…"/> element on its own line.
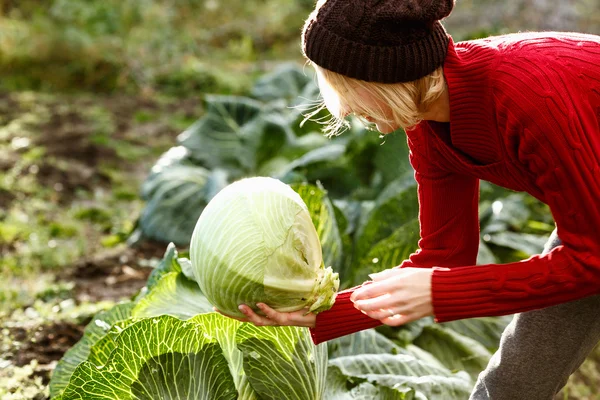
<point x="396" y="296"/>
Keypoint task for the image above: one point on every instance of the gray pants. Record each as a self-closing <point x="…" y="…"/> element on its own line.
<point x="540" y="349"/>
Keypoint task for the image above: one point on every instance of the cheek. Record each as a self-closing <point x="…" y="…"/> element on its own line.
<point x="385" y="128"/>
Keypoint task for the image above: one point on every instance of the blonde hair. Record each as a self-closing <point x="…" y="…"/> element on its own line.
<point x="408" y="101"/>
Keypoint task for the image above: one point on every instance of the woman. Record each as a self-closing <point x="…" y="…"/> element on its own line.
<point x="521" y="111"/>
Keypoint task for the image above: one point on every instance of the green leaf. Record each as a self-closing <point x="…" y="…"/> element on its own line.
<point x="394" y="207"/>
<point x="324" y="219"/>
<point x="526" y="243"/>
<point x="176" y="195"/>
<point x="173" y="295"/>
<point x="139" y="348"/>
<point x="233" y="134"/>
<point x="505" y="213"/>
<point x="404" y="371"/>
<point x="364" y="342"/>
<point x="304" y="144"/>
<point x="295" y="90"/>
<point x="96" y="329"/>
<point x="485" y="330"/>
<point x="453" y="350"/>
<point x="102" y="349"/>
<point x="378" y="160"/>
<point x="273" y="166"/>
<point x="387" y="234"/>
<point x="485" y="254"/>
<point x="169" y="263"/>
<point x="347" y="214"/>
<point x="330" y="153"/>
<point x="399" y="364"/>
<point x="389" y="252"/>
<point x="326" y="165"/>
<point x="287" y="81"/>
<point x="370" y="341"/>
<point x="340" y="387"/>
<point x="391" y="160"/>
<point x="283" y="362"/>
<point x="225" y="331"/>
<point x="186" y="267"/>
<point x="175" y="376"/>
<point x="407" y="333"/>
<point x="427" y="387"/>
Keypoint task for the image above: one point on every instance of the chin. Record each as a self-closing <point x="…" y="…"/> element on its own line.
<point x="387" y="130"/>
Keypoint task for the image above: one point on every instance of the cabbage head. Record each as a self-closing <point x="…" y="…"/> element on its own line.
<point x="255" y="242"/>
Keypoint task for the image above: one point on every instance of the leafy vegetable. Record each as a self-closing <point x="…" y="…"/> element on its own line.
<point x="256" y="242"/>
<point x="405" y="371"/>
<point x="177" y="191"/>
<point x="98" y="327"/>
<point x="206" y="357"/>
<point x="455" y="351"/>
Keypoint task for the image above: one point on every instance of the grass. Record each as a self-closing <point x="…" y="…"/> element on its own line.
<point x="170" y="47"/>
<point x="70" y="174"/>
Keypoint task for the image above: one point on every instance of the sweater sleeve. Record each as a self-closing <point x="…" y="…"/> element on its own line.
<point x="448" y="210"/>
<point x="449" y="227"/>
<point x="559" y="145"/>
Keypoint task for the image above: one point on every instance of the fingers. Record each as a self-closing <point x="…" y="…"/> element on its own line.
<point x="391" y="310"/>
<point x="229" y="316"/>
<point x="375" y="289"/>
<point x="296" y="318"/>
<point x="384" y="301"/>
<point x="396" y="296"/>
<point x="398" y="319"/>
<point x="256" y="319"/>
<point x="385" y="274"/>
<point x="273" y="317"/>
<point x="279" y="318"/>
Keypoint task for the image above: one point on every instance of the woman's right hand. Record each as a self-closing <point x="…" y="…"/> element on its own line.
<point x="275" y="318"/>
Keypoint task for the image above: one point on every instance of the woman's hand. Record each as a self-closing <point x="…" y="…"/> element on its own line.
<point x="275" y="318"/>
<point x="396" y="296"/>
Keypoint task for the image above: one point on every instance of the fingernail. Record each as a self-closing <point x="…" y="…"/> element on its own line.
<point x="241" y="308"/>
<point x="260" y="305"/>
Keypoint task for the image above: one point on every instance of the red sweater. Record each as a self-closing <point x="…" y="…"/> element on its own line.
<point x="525" y="115"/>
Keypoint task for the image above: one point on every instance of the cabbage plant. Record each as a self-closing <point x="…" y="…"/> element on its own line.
<point x="166" y="345"/>
<point x="255" y="242"/>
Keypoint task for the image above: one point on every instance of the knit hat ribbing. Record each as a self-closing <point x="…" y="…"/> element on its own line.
<point x="383" y="41"/>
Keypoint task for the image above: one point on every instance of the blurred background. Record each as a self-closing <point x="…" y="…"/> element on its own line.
<point x="94" y="98"/>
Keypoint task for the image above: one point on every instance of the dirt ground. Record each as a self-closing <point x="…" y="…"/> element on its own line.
<point x="65" y="153"/>
<point x="112" y="276"/>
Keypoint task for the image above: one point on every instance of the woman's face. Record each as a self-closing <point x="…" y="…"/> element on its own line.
<point x="372" y="103"/>
<point x="340" y="104"/>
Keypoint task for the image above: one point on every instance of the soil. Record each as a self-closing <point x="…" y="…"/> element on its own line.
<point x="68" y="136"/>
<point x="114" y="275"/>
<point x="6" y="198"/>
<point x="47" y="344"/>
<point x="68" y="139"/>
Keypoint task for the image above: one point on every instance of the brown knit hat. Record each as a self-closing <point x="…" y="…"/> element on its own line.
<point x="383" y="41"/>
